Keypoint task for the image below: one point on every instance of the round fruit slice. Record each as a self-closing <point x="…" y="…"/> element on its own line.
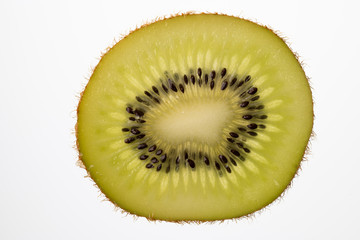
<point x="195" y="118"/>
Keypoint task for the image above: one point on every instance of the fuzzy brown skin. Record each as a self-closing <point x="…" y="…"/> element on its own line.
<point x="81" y="164"/>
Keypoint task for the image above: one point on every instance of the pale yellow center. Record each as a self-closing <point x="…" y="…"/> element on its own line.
<point x="196" y="122"/>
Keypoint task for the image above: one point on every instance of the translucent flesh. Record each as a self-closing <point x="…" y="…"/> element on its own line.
<point x="176" y="45"/>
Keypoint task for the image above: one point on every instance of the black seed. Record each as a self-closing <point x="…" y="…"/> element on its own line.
<point x="234" y="135"/>
<point x="255" y="98"/>
<point x="154" y="160"/>
<point x="242" y="129"/>
<point x="140" y="136"/>
<point x="240" y="145"/>
<point x="246" y="150"/>
<point x="199" y="72"/>
<point x="248" y="77"/>
<point x="181" y="88"/>
<point x="177" y="160"/>
<point x="165" y="88"/>
<point x="251" y="108"/>
<point x="186" y="155"/>
<point x="223" y="72"/>
<point x="224" y="84"/>
<point x="143" y="157"/>
<point x="156" y="100"/>
<point x="148" y="94"/>
<point x="252" y="133"/>
<point x="230" y="140"/>
<point x="242" y="94"/>
<point x="217" y="165"/>
<point x="247" y="117"/>
<point x="228" y="169"/>
<point x="233" y="81"/>
<point x="159" y="152"/>
<point x="135" y="131"/>
<point x="252" y="126"/>
<point x="206" y="160"/>
<point x="186" y="80"/>
<point x="233" y="162"/>
<point x="172" y="85"/>
<point x="152" y="148"/>
<point x="129" y="140"/>
<point x="140" y="121"/>
<point x="240" y="84"/>
<point x="155" y="90"/>
<point x="163" y="158"/>
<point x="192" y="77"/>
<point x="260" y="107"/>
<point x="262" y="126"/>
<point x="129" y="110"/>
<point x="142" y="146"/>
<point x="139" y="113"/>
<point x="252" y="90"/>
<point x="191" y="163"/>
<point x="158" y="167"/>
<point x="263" y="117"/>
<point x="236" y="153"/>
<point x="206" y="78"/>
<point x="212" y="84"/>
<point x="200" y="82"/>
<point x="244" y="104"/>
<point x="223" y="158"/>
<point x="149" y="165"/>
<point x="139" y="99"/>
<point x="132" y="119"/>
<point x="168" y="169"/>
<point x="125" y="129"/>
<point x="213" y="75"/>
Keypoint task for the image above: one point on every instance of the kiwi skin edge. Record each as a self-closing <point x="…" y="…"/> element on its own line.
<point x="150" y="218"/>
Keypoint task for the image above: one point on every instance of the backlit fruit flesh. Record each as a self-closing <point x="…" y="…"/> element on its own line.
<point x="195" y="118"/>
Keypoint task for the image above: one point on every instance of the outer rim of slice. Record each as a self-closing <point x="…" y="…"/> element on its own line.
<point x="80" y="161"/>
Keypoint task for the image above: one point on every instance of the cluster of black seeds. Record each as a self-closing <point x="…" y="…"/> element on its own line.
<point x="156" y="158"/>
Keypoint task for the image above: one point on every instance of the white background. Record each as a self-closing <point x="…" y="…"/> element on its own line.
<point x="47" y="50"/>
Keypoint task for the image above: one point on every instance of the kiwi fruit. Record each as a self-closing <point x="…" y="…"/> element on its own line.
<point x="197" y="117"/>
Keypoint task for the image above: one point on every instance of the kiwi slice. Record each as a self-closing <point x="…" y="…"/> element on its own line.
<point x="198" y="117"/>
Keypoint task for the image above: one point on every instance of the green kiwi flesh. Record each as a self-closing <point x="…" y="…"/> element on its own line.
<point x="198" y="117"/>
